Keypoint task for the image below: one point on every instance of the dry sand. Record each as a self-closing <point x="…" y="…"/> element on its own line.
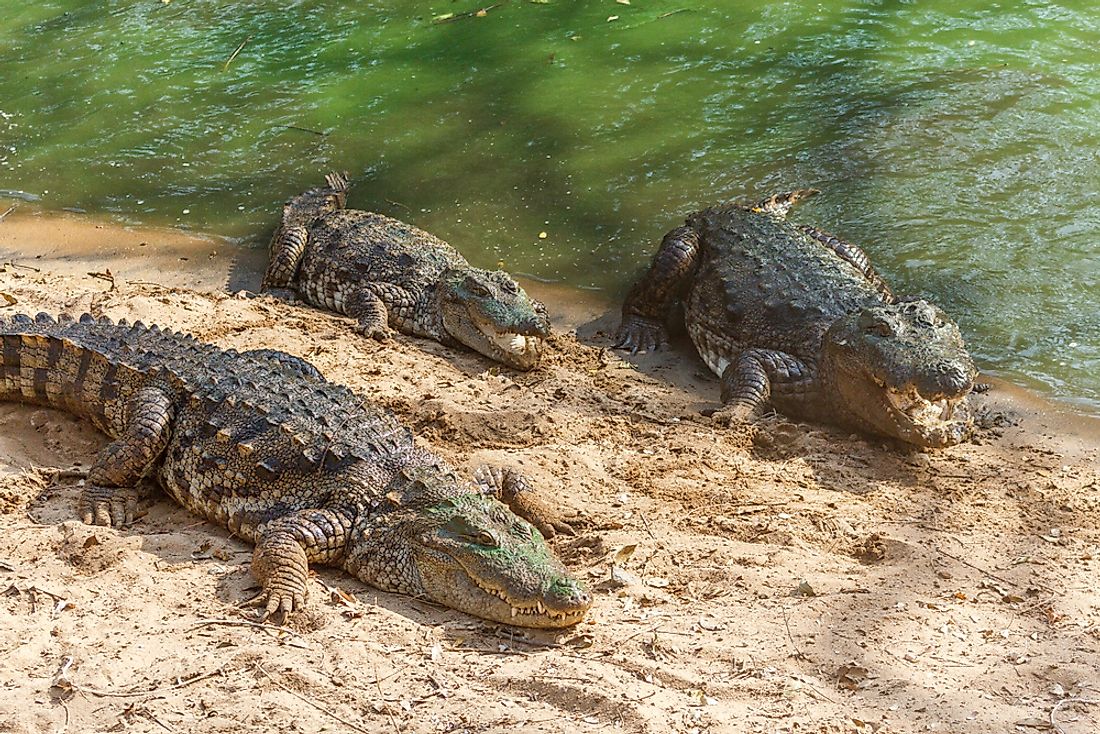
<point x="802" y="581"/>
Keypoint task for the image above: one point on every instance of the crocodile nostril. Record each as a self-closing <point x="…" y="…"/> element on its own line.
<point x="948" y="379"/>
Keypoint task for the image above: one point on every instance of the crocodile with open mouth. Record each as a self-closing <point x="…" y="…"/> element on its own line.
<point x="305" y="469"/>
<point x="797" y="318"/>
<point x="392" y="275"/>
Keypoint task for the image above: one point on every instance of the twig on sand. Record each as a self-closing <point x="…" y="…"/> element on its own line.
<point x="106" y="275"/>
<point x="1063" y="702"/>
<point x="798" y="654"/>
<point x="148" y="691"/>
<point x="14" y="264"/>
<point x="315" y="705"/>
<point x="9" y="211"/>
<point x="269" y="628"/>
<point x="382" y="698"/>
<point x="985" y="571"/>
<point x="234" y="54"/>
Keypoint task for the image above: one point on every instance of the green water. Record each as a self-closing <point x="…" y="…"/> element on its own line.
<point x="957" y="141"/>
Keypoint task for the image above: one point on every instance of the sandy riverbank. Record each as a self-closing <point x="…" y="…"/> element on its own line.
<point x="952" y="591"/>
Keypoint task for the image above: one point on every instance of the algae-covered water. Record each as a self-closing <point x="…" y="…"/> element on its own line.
<point x="957" y="141"/>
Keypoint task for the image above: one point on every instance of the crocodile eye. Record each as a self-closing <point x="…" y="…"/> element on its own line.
<point x="477" y="288"/>
<point x="880" y="328"/>
<point x="485" y="538"/>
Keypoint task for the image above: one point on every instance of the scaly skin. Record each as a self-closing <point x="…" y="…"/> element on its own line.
<point x="391" y="275"/>
<point x="305" y="469"/>
<point x="797" y="318"/>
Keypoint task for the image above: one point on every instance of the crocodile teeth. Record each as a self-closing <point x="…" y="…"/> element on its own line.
<point x="920" y="410"/>
<point x="512" y="343"/>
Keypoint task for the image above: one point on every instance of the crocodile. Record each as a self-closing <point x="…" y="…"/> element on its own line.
<point x="305" y="469"/>
<point x="798" y="319"/>
<point x="391" y="275"/>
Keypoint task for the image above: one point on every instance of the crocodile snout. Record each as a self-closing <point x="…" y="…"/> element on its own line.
<point x="946" y="379"/>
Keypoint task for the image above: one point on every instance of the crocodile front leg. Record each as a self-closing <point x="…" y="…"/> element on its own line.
<point x="652" y="298"/>
<point x="284" y="549"/>
<point x="513" y="489"/>
<point x="287" y="247"/>
<point x="110" y="496"/>
<point x="758" y="375"/>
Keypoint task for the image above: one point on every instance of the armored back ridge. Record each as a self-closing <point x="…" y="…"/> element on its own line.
<point x="307" y="470"/>
<point x="799" y="319"/>
<point x="390" y="275"/>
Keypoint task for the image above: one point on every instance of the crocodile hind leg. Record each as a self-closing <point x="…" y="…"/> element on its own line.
<point x="513" y="489"/>
<point x="284" y="549"/>
<point x="853" y="255"/>
<point x="751" y="380"/>
<point x="287" y="247"/>
<point x="110" y="495"/>
<point x="652" y="298"/>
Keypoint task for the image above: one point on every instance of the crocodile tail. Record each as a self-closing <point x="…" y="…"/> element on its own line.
<point x="779" y="204"/>
<point x="73" y="364"/>
<point x="338" y="187"/>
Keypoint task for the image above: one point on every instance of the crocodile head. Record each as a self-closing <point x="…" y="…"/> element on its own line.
<point x="901" y="370"/>
<point x="448" y="542"/>
<point x="490" y="313"/>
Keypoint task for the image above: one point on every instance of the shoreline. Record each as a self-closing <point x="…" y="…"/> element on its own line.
<point x="78" y="244"/>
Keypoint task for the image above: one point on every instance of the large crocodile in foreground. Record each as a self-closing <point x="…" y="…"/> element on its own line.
<point x="303" y="468"/>
<point x="386" y="273"/>
<point x="797" y="318"/>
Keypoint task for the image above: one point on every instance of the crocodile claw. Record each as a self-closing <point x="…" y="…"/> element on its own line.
<point x="278" y="603"/>
<point x="639" y="334"/>
<point x="512" y="488"/>
<point x="108" y="506"/>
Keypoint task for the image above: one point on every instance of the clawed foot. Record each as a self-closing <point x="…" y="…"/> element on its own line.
<point x="283" y="294"/>
<point x="109" y="506"/>
<point x="378" y="332"/>
<point x="512" y="488"/>
<point x="733" y="415"/>
<point x="639" y="334"/>
<point x="276" y="604"/>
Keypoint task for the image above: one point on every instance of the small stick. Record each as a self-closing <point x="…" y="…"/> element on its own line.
<point x="234" y="54"/>
<point x="9" y="211"/>
<point x="987" y="573"/>
<point x="25" y="267"/>
<point x="127" y="694"/>
<point x="470" y="14"/>
<point x="382" y="698"/>
<point x="1062" y="703"/>
<point x="302" y="698"/>
<point x="245" y="623"/>
<point x="306" y="130"/>
<point x="106" y="275"/>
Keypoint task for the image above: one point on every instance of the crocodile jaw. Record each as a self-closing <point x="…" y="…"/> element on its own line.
<point x="515" y="350"/>
<point x="445" y="580"/>
<point x="935" y="422"/>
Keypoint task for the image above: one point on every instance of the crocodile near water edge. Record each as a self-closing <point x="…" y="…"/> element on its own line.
<point x="387" y="273"/>
<point x="794" y="317"/>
